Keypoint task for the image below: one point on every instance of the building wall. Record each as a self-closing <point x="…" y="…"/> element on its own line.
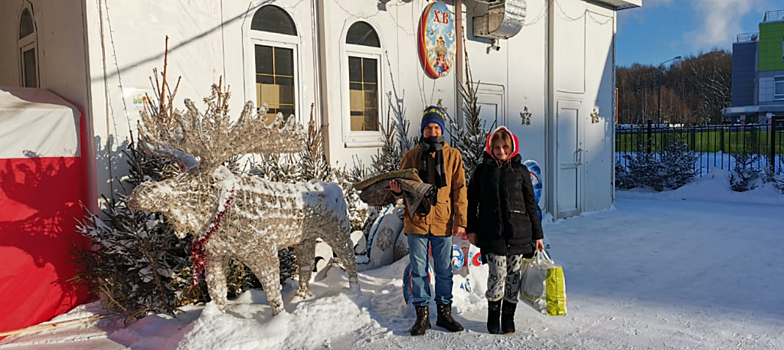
<point x="744" y="62"/>
<point x="402" y="73"/>
<point x="562" y="55"/>
<point x="771" y="41"/>
<point x="513" y="78"/>
<point x="208" y="41"/>
<point x="766" y="87"/>
<point x="582" y="62"/>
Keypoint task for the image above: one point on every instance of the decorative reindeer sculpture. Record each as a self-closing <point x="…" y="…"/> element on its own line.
<point x="240" y="216"/>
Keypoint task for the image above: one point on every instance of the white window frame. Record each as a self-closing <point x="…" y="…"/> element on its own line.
<point x="258" y="37"/>
<point x="779" y="79"/>
<point x="25" y="44"/>
<point x="357" y="139"/>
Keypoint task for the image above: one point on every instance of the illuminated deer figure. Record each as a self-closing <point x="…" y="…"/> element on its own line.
<point x="240" y="217"/>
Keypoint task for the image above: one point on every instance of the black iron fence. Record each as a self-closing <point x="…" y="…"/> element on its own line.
<point x="717" y="146"/>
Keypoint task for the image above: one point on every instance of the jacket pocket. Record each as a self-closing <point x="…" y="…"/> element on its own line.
<point x="443" y="212"/>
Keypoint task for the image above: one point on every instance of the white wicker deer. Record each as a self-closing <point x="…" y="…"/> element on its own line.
<point x="240" y="216"/>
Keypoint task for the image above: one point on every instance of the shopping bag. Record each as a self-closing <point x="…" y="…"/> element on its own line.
<point x="543" y="286"/>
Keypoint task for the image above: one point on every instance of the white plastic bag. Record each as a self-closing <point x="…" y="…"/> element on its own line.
<point x="543" y="286"/>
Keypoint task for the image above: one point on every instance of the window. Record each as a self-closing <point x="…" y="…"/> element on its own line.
<point x="275" y="79"/>
<point x="27" y="50"/>
<point x="363" y="93"/>
<point x="274" y="20"/>
<point x="364" y="53"/>
<point x="274" y="38"/>
<point x="778" y="88"/>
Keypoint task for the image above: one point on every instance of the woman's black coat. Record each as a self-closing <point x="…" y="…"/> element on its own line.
<point x="502" y="207"/>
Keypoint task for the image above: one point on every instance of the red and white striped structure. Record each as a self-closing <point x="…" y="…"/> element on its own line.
<point x="43" y="178"/>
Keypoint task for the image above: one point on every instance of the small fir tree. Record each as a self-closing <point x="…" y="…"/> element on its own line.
<point x="744" y="173"/>
<point x="137" y="265"/>
<point x="623" y="178"/>
<point x="469" y="137"/>
<point x="678" y="164"/>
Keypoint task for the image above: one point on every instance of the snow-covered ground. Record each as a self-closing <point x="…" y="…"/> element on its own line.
<point x="695" y="268"/>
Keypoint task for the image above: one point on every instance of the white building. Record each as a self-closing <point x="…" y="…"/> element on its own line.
<point x="293" y="54"/>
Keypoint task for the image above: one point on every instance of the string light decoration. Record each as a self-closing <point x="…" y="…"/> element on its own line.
<point x="240" y="216"/>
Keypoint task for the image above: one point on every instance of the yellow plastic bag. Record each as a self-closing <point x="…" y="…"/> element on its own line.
<point x="543" y="286"/>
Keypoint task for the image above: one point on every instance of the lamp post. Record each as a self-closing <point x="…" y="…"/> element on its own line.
<point x="658" y="88"/>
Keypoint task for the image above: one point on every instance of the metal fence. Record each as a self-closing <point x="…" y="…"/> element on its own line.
<point x="715" y="145"/>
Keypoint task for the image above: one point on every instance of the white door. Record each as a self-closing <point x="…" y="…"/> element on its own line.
<point x="569" y="159"/>
<point x="490" y="98"/>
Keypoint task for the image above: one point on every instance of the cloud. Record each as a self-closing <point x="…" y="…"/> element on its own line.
<point x="720" y="21"/>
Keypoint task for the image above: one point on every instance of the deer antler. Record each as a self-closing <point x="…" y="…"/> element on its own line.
<point x="193" y="139"/>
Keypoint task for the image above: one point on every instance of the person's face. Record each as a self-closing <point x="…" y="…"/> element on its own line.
<point x="432" y="130"/>
<point x="501" y="150"/>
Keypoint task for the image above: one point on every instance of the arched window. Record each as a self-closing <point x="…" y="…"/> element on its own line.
<point x="28" y="56"/>
<point x="274" y="20"/>
<point x="362" y="33"/>
<point x="274" y="37"/>
<point x="363" y="49"/>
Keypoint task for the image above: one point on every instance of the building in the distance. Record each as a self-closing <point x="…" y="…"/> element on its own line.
<point x="758" y="73"/>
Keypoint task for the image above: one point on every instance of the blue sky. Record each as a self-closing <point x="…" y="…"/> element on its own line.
<point x="663" y="29"/>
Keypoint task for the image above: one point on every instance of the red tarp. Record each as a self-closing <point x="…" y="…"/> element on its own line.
<point x="42" y="180"/>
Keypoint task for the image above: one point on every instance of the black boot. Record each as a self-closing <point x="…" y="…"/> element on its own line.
<point x="494" y="317"/>
<point x="507" y="317"/>
<point x="422" y="322"/>
<point x="446" y="320"/>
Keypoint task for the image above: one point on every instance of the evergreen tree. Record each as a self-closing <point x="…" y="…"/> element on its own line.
<point x="623" y="178"/>
<point x="138" y="264"/>
<point x="744" y="173"/>
<point x="468" y="137"/>
<point x="678" y="164"/>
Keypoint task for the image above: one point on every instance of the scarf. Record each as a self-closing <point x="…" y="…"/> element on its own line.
<point x="430" y="145"/>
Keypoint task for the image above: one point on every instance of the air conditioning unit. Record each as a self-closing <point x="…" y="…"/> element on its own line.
<point x="503" y="19"/>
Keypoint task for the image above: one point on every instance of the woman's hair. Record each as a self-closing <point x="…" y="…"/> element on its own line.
<point x="501" y="135"/>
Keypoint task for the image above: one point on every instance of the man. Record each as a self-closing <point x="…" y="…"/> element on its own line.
<point x="440" y="165"/>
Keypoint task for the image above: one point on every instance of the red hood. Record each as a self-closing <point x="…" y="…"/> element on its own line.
<point x="515" y="144"/>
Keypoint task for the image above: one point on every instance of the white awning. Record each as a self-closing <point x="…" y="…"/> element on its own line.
<point x="37" y="123"/>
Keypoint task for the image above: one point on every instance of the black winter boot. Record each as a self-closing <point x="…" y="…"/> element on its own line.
<point x="507" y="317"/>
<point x="446" y="320"/>
<point x="422" y="322"/>
<point x="494" y="317"/>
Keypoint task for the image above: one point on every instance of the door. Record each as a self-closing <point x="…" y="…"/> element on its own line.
<point x="569" y="147"/>
<point x="491" y="99"/>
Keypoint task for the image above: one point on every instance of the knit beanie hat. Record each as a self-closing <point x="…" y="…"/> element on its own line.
<point x="432" y="114"/>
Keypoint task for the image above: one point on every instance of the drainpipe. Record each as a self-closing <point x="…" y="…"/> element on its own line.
<point x="319" y="78"/>
<point x="615" y="112"/>
<point x="550" y="113"/>
<point x="459" y="60"/>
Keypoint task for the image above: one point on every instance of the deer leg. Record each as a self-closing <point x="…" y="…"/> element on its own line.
<point x="306" y="252"/>
<point x="266" y="267"/>
<point x="216" y="280"/>
<point x="341" y="244"/>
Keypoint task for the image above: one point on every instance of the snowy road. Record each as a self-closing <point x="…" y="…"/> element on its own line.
<point x="697" y="268"/>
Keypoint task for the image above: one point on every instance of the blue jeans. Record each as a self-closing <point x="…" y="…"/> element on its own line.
<point x="441" y="247"/>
